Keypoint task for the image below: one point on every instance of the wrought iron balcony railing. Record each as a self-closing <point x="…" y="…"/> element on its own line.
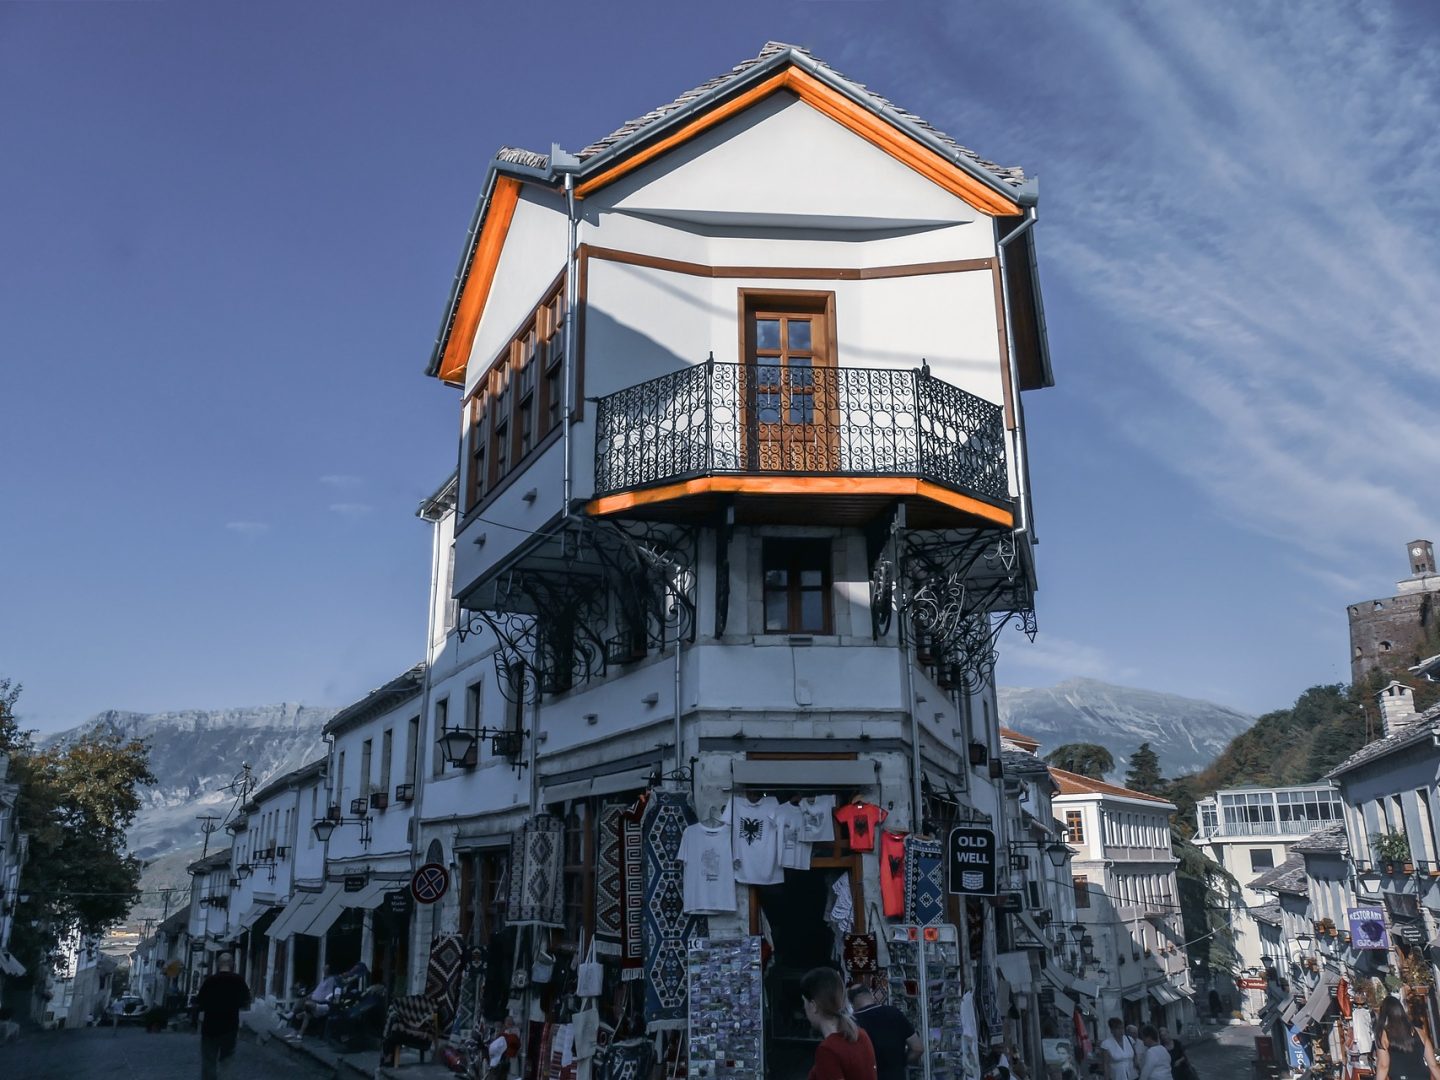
<point x="767" y="419"/>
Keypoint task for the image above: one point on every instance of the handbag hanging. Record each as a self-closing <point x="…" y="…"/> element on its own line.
<point x="542" y="968"/>
<point x="589" y="974"/>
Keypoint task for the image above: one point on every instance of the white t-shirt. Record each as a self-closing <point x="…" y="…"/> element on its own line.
<point x="756" y="838"/>
<point x="794" y="851"/>
<point x="1122" y="1057"/>
<point x="818" y="819"/>
<point x="709" y="879"/>
<point x="1155" y="1063"/>
<point x="497" y="1049"/>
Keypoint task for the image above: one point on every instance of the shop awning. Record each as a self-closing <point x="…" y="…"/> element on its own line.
<point x="255" y="914"/>
<point x="1015" y="966"/>
<point x="1319" y="1001"/>
<point x="1134" y="995"/>
<point x="807" y="773"/>
<point x="295" y="910"/>
<point x="1163" y="995"/>
<point x="371" y="896"/>
<point x="1032" y="929"/>
<point x="1063" y="1001"/>
<point x="607" y="784"/>
<point x="9" y="965"/>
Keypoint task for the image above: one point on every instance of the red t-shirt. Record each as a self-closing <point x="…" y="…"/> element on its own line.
<point x="892" y="872"/>
<point x="859" y="821"/>
<point x="836" y="1058"/>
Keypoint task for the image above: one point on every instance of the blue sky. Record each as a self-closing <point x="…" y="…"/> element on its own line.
<point x="228" y="232"/>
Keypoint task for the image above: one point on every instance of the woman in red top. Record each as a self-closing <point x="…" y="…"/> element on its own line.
<point x="845" y="1052"/>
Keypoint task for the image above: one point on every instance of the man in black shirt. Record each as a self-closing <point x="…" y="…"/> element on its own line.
<point x="221" y="997"/>
<point x="893" y="1036"/>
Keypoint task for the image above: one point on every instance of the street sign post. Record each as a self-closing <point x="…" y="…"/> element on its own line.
<point x="430" y="883"/>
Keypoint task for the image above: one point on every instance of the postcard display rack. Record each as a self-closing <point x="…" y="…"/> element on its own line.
<point x="726" y="1029"/>
<point x="943" y="988"/>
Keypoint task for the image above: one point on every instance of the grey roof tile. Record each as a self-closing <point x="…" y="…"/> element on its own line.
<point x="1288" y="877"/>
<point x="1267" y="913"/>
<point x="1324" y="841"/>
<point x="1011" y="175"/>
<point x="1418" y="730"/>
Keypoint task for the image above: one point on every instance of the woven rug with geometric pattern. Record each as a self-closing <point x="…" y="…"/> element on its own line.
<point x="537" y="894"/>
<point x="609" y="881"/>
<point x="924" y="882"/>
<point x="667" y="929"/>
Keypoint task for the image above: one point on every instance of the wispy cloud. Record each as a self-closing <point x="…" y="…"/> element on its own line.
<point x="1056" y="657"/>
<point x="341" y="481"/>
<point x="248" y="528"/>
<point x="351" y="509"/>
<point x="1243" y="196"/>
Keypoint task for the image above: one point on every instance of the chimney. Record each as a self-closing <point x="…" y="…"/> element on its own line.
<point x="1397" y="707"/>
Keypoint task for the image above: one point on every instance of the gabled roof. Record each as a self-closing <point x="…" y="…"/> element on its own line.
<point x="213" y="861"/>
<point x="1021" y="763"/>
<point x="401" y="688"/>
<point x="1022" y="742"/>
<point x="1327" y="841"/>
<point x="1421" y="729"/>
<point x="1288" y="877"/>
<point x="1074" y="784"/>
<point x="1268" y="913"/>
<point x="1002" y="191"/>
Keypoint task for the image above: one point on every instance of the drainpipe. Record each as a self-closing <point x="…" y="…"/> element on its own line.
<point x="1017" y="434"/>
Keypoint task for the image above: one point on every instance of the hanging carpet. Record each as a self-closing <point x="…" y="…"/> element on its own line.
<point x="667" y="929"/>
<point x="632" y="900"/>
<point x="610" y="881"/>
<point x="924" y="882"/>
<point x="422" y="1017"/>
<point x="537" y="895"/>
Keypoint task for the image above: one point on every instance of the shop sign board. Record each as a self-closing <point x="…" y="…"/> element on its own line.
<point x="1252" y="984"/>
<point x="397" y="902"/>
<point x="1367" y="928"/>
<point x="970" y="857"/>
<point x="355" y="882"/>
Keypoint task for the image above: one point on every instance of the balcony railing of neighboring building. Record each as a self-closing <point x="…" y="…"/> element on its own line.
<point x="1269" y="828"/>
<point x="715" y="418"/>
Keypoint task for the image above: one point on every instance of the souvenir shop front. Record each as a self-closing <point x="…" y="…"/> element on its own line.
<point x="644" y="917"/>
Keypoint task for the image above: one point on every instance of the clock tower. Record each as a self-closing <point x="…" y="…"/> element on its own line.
<point x="1422" y="557"/>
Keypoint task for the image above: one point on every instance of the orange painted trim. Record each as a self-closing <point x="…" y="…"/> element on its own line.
<point x="873" y="129"/>
<point x="479" y="279"/>
<point x="799" y="485"/>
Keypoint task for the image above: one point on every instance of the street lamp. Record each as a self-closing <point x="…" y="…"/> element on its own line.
<point x="243" y="871"/>
<point x="1058" y="854"/>
<point x="1368" y="880"/>
<point x="457" y="745"/>
<point x="325" y="827"/>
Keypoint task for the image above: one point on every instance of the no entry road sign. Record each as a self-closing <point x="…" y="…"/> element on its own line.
<point x="430" y="883"/>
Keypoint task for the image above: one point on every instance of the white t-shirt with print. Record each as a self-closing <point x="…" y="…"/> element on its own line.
<point x="817" y="819"/>
<point x="794" y="851"/>
<point x="709" y="878"/>
<point x="756" y="836"/>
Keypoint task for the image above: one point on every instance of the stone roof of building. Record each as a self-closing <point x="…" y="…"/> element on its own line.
<point x="1288" y="877"/>
<point x="1420" y="729"/>
<point x="212" y="861"/>
<point x="1324" y="841"/>
<point x="1022" y="763"/>
<point x="1012" y="176"/>
<point x="404" y="686"/>
<point x="1267" y="913"/>
<point x="1022" y="742"/>
<point x="1071" y="783"/>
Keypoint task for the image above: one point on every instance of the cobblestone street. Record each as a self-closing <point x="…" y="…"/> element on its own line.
<point x="1225" y="1053"/>
<point x="131" y="1054"/>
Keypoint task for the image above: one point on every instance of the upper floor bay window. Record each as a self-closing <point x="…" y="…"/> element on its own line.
<point x="518" y="402"/>
<point x="797" y="587"/>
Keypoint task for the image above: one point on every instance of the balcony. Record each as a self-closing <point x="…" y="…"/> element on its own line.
<point x="859" y="436"/>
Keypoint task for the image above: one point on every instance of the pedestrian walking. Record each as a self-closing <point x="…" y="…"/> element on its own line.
<point x="891" y="1033"/>
<point x="221" y="998"/>
<point x="1404" y="1051"/>
<point x="1121" y="1053"/>
<point x="845" y="1051"/>
<point x="1180" y="1065"/>
<point x="1155" y="1061"/>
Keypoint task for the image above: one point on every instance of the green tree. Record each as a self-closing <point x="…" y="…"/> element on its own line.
<point x="1087" y="759"/>
<point x="76" y="801"/>
<point x="1144" y="772"/>
<point x="1207" y="897"/>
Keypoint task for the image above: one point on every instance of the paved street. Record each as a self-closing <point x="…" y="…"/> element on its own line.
<point x="1225" y="1055"/>
<point x="131" y="1054"/>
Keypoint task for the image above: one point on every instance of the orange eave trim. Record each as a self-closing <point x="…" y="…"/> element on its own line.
<point x="843" y="111"/>
<point x="481" y="276"/>
<point x="799" y="485"/>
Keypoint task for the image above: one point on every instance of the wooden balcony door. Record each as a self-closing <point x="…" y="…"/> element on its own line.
<point x="789" y="382"/>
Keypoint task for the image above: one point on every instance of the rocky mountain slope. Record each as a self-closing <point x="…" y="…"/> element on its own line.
<point x="1186" y="733"/>
<point x="196" y="755"/>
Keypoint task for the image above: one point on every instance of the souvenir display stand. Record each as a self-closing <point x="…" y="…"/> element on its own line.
<point x="726" y="1028"/>
<point x="942" y="983"/>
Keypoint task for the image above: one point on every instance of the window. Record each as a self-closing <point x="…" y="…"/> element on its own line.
<point x="1075" y="826"/>
<point x="442" y="725"/>
<point x="1082" y="891"/>
<point x="387" y="749"/>
<point x="579" y="872"/>
<point x="314" y="816"/>
<point x="518" y="401"/>
<point x="797" y="586"/>
<point x="340" y="781"/>
<point x="366" y="755"/>
<point x="790" y="382"/>
<point x="481" y="901"/>
<point x="1261" y="858"/>
<point x="412" y="752"/>
<point x="1427" y="827"/>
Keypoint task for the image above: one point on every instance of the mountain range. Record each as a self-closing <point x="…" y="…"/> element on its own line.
<point x="196" y="756"/>
<point x="1185" y="733"/>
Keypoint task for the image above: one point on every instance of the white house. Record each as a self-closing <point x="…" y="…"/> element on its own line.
<point x="1127" y="897"/>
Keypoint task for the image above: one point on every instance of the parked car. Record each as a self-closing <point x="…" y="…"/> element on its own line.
<point x="127" y="1009"/>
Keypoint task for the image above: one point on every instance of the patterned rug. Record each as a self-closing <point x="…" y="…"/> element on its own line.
<point x="442" y="975"/>
<point x="632" y="901"/>
<point x="537" y="895"/>
<point x="924" y="882"/>
<point x="667" y="928"/>
<point x="467" y="1013"/>
<point x="609" y="881"/>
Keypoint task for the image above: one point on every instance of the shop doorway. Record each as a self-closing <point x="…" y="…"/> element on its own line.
<point x="803" y="939"/>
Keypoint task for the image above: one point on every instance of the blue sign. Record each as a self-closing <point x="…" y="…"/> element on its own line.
<point x="1367" y="928"/>
<point x="1297" y="1054"/>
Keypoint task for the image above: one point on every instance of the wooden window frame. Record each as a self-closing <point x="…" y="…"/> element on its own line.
<point x="794" y="591"/>
<point x="1075" y="826"/>
<point x="513" y="414"/>
<point x="1082" y="890"/>
<point x="578" y="875"/>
